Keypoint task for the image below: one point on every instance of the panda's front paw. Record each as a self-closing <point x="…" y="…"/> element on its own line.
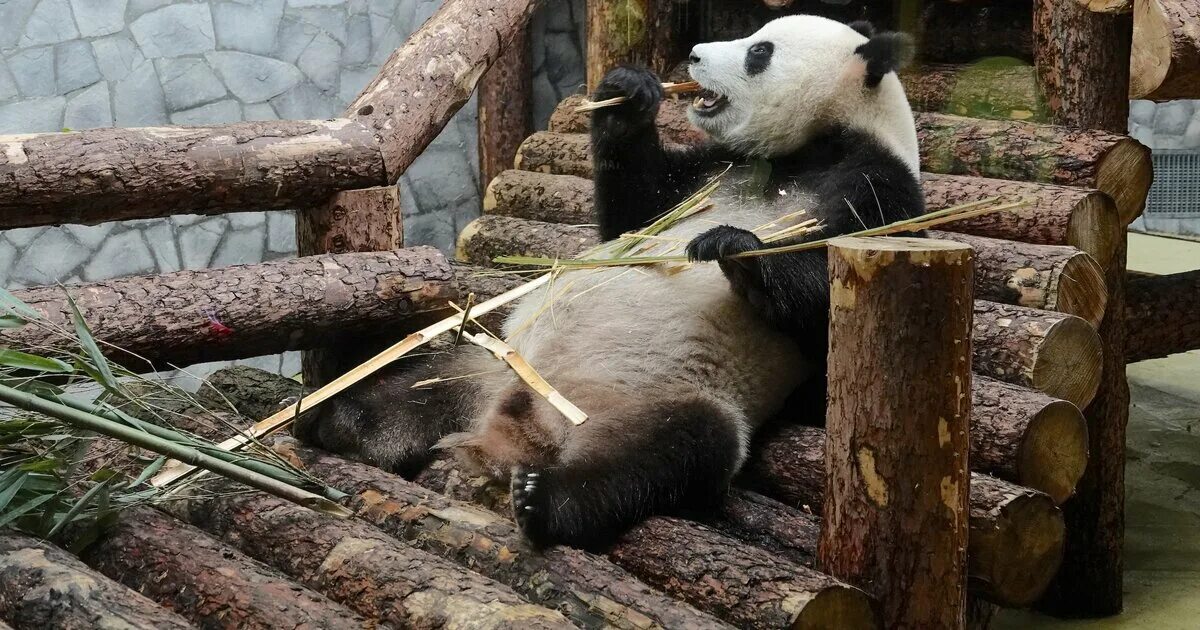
<point x="722" y="242"/>
<point x="643" y="92"/>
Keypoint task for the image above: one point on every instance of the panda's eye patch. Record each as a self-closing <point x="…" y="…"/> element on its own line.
<point x="758" y="57"/>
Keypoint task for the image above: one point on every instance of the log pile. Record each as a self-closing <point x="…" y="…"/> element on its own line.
<point x="1165" y="63"/>
<point x="1162" y="315"/>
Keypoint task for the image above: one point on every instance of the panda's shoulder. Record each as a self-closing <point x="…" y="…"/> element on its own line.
<point x="845" y="152"/>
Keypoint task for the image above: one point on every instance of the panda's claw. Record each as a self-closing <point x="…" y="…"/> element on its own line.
<point x="722" y="242"/>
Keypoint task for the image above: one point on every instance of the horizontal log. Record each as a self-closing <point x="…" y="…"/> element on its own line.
<point x="103" y="175"/>
<point x="1162" y="315"/>
<point x="587" y="589"/>
<point x="541" y="197"/>
<point x="1107" y="6"/>
<point x="555" y="152"/>
<point x="245" y="311"/>
<point x="769" y="524"/>
<point x="1048" y="277"/>
<point x="1083" y="218"/>
<point x="363" y="568"/>
<point x="425" y="81"/>
<point x="493" y="235"/>
<point x="1165" y="61"/>
<point x="209" y="583"/>
<point x="1000" y="88"/>
<point x="42" y="586"/>
<point x="1016" y="534"/>
<point x="1059" y="355"/>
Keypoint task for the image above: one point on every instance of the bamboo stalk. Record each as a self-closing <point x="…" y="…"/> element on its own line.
<point x="175" y="470"/>
<point x="129" y="435"/>
<point x="668" y="88"/>
<point x="506" y="353"/>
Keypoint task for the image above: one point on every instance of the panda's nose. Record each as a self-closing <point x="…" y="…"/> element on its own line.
<point x="694" y="57"/>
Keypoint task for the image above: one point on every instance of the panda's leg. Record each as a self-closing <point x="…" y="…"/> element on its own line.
<point x="617" y="470"/>
<point x="636" y="178"/>
<point x="386" y="422"/>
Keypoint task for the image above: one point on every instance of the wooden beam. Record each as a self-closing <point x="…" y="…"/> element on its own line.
<point x="505" y="108"/>
<point x="1166" y="50"/>
<point x="100" y="175"/>
<point x="1162" y="315"/>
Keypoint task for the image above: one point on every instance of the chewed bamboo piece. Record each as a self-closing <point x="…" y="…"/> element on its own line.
<point x="670" y="88"/>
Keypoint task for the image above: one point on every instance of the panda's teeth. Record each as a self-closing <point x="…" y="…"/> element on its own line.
<point x="698" y="102"/>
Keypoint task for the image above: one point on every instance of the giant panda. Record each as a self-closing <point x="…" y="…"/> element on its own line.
<point x="676" y="369"/>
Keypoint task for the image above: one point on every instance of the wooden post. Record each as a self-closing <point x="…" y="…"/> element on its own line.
<point x="366" y="220"/>
<point x="505" y="108"/>
<point x="896" y="452"/>
<point x="638" y="32"/>
<point x="1082" y="61"/>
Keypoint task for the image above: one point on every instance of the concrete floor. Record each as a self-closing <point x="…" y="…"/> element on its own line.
<point x="1162" y="499"/>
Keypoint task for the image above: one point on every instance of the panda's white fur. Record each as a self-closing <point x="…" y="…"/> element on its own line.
<point x="676" y="369"/>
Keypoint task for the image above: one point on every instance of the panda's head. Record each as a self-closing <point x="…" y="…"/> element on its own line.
<point x="768" y="93"/>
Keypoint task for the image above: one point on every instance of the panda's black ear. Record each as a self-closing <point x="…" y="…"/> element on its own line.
<point x="884" y="53"/>
<point x="864" y="28"/>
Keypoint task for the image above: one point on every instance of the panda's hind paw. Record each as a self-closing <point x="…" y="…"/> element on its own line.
<point x="722" y="242"/>
<point x="529" y="504"/>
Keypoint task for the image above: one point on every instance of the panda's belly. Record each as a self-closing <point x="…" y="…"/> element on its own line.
<point x="649" y="331"/>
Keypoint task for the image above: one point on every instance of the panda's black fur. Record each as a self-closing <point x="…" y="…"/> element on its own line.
<point x="646" y="449"/>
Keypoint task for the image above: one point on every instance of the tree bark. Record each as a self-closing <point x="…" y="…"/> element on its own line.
<point x="1052" y="278"/>
<point x="1085" y="219"/>
<point x="768" y="524"/>
<point x="103" y="175"/>
<point x="493" y="235"/>
<point x="1162" y="315"/>
<point x="505" y="108"/>
<point x="1027" y="437"/>
<point x="587" y="589"/>
<point x="891" y="441"/>
<point x="366" y="220"/>
<point x="357" y="565"/>
<point x="209" y="583"/>
<point x="425" y="81"/>
<point x="540" y="197"/>
<point x="558" y="153"/>
<point x="999" y="89"/>
<point x="1059" y="355"/>
<point x="1083" y="60"/>
<point x="1012" y="552"/>
<point x="1112" y="163"/>
<point x="639" y="32"/>
<point x="1107" y="6"/>
<point x="245" y="311"/>
<point x="1090" y="583"/>
<point x="1166" y="50"/>
<point x="744" y="585"/>
<point x="42" y="586"/>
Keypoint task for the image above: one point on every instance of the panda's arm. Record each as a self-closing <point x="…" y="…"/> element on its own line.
<point x="636" y="177"/>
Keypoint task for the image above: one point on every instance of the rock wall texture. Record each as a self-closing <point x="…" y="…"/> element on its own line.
<point x="79" y="64"/>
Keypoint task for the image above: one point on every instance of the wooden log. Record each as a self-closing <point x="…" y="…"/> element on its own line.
<point x="365" y="220"/>
<point x="587" y="589"/>
<point x="888" y="447"/>
<point x="1112" y="163"/>
<point x="103" y="175"/>
<point x="768" y="524"/>
<point x="505" y="108"/>
<point x="1014" y="546"/>
<point x="1001" y="88"/>
<point x="1166" y="50"/>
<point x="641" y="33"/>
<point x="209" y="583"/>
<point x="1107" y="6"/>
<point x="1073" y="47"/>
<point x="492" y="235"/>
<point x="1162" y="315"/>
<point x="1048" y="277"/>
<point x="258" y="309"/>
<point x="541" y="197"/>
<point x="1085" y="219"/>
<point x="1059" y="355"/>
<point x="553" y="152"/>
<point x="1091" y="581"/>
<point x="363" y="568"/>
<point x="425" y="81"/>
<point x="42" y="586"/>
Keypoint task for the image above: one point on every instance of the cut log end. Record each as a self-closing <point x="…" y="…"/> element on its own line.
<point x="1021" y="549"/>
<point x="1165" y="60"/>
<point x="1094" y="227"/>
<point x="840" y="607"/>
<point x="1126" y="173"/>
<point x="1069" y="361"/>
<point x="1054" y="451"/>
<point x="1081" y="289"/>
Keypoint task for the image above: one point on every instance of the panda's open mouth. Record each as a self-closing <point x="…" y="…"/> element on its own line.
<point x="709" y="103"/>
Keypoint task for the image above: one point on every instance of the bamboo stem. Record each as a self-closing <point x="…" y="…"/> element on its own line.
<point x="668" y="88"/>
<point x="506" y="353"/>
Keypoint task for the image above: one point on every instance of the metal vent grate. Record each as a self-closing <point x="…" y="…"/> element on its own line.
<point x="1176" y="188"/>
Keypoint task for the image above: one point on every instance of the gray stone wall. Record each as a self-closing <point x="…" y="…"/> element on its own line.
<point x="1174" y="125"/>
<point x="80" y="64"/>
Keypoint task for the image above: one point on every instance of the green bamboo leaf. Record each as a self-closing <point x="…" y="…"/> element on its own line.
<point x="41" y="466"/>
<point x="14" y="304"/>
<point x="12" y="488"/>
<point x="25" y="508"/>
<point x="12" y="321"/>
<point x="149" y="472"/>
<point x="104" y="373"/>
<point x="23" y="361"/>
<point x="78" y="508"/>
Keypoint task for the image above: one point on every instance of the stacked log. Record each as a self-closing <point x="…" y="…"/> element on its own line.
<point x="1162" y="315"/>
<point x="1165" y="62"/>
<point x="1004" y="89"/>
<point x="42" y="586"/>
